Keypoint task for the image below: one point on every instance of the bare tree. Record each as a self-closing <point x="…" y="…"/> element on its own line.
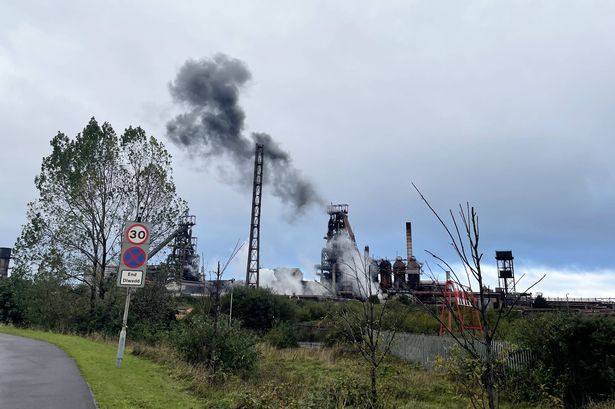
<point x="369" y="325"/>
<point x="464" y="234"/>
<point x="214" y="295"/>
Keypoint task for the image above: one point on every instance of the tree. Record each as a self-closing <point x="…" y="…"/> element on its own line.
<point x="88" y="186"/>
<point x="369" y="325"/>
<point x="464" y="234"/>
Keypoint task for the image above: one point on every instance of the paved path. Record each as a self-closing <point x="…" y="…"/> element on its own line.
<point x="38" y="375"/>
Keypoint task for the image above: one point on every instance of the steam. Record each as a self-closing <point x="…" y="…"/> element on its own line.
<point x="356" y="272"/>
<point x="213" y="127"/>
<point x="289" y="281"/>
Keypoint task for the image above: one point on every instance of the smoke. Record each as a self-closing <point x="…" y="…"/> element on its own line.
<point x="213" y="127"/>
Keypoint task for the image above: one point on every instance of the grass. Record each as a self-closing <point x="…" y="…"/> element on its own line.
<point x="139" y="383"/>
<point x="285" y="379"/>
<point x="319" y="379"/>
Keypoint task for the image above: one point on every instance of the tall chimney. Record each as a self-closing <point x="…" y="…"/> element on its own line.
<point x="409" y="240"/>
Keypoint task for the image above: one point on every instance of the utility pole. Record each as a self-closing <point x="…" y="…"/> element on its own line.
<point x="230" y="311"/>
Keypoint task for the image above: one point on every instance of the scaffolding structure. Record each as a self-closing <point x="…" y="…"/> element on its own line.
<point x="459" y="313"/>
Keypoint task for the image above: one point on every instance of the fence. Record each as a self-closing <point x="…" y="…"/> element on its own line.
<point x="424" y="349"/>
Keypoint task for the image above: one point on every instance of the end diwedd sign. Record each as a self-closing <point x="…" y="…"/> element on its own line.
<point x="133" y="257"/>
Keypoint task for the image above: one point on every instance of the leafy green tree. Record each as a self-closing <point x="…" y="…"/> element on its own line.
<point x="88" y="186"/>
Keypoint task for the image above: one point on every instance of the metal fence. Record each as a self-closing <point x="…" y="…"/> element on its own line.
<point x="424" y="349"/>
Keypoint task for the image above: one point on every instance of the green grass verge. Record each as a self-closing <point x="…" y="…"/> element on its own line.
<point x="140" y="383"/>
<point x="290" y="379"/>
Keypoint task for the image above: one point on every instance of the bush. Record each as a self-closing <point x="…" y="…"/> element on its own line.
<point x="259" y="309"/>
<point x="197" y="342"/>
<point x="12" y="300"/>
<point x="313" y="310"/>
<point x="574" y="355"/>
<point x="152" y="313"/>
<point x="282" y="336"/>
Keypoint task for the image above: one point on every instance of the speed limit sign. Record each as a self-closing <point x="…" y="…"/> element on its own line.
<point x="133" y="256"/>
<point x="137" y="234"/>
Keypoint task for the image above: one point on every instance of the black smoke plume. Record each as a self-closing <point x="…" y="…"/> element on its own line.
<point x="213" y="127"/>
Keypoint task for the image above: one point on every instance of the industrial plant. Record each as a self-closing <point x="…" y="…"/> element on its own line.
<point x="344" y="271"/>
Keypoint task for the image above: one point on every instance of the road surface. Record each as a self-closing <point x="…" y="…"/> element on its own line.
<point x="35" y="374"/>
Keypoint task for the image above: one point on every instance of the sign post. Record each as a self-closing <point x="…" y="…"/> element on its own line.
<point x="132" y="269"/>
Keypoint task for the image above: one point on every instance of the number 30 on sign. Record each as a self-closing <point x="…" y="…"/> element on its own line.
<point x="137" y="234"/>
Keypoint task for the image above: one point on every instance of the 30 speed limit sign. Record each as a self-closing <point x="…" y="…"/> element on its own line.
<point x="137" y="234"/>
<point x="133" y="257"/>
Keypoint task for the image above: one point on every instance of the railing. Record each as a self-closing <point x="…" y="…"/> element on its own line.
<point x="424" y="349"/>
<point x="608" y="300"/>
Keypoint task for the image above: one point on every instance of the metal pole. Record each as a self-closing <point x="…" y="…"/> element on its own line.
<point x="230" y="313"/>
<point x="122" y="342"/>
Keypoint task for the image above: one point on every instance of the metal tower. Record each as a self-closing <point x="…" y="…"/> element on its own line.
<point x="255" y="220"/>
<point x="183" y="253"/>
<point x="506" y="270"/>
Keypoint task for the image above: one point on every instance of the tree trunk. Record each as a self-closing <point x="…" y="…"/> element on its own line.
<point x="92" y="297"/>
<point x="489" y="375"/>
<point x="374" y="392"/>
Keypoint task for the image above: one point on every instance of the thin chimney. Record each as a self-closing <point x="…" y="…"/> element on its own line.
<point x="409" y="240"/>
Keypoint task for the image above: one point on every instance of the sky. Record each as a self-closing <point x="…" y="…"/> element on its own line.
<point x="505" y="105"/>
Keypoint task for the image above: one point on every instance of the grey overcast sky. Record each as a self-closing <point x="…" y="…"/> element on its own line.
<point x="507" y="104"/>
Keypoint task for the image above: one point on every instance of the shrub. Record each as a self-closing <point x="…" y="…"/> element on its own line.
<point x="152" y="313"/>
<point x="12" y="299"/>
<point x="313" y="310"/>
<point x="198" y="341"/>
<point x="282" y="336"/>
<point x="259" y="309"/>
<point x="574" y="355"/>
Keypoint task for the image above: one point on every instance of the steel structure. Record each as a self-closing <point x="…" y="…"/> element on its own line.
<point x="5" y="259"/>
<point x="183" y="249"/>
<point x="506" y="270"/>
<point x="255" y="221"/>
<point x="458" y="310"/>
<point x="331" y="256"/>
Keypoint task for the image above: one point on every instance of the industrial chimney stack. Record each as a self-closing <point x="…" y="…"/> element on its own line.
<point x="413" y="269"/>
<point x="409" y="240"/>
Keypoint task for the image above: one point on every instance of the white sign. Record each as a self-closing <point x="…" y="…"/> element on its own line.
<point x="131" y="278"/>
<point x="137" y="234"/>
